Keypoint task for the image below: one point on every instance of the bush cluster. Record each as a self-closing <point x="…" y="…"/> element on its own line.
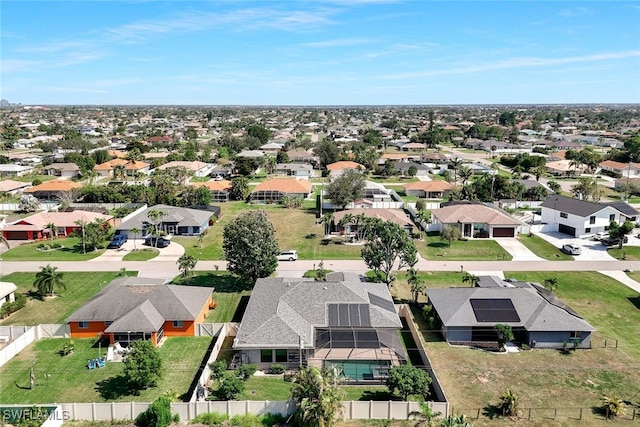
<point x="214" y="419"/>
<point x="13" y="306"/>
<point x="158" y="414"/>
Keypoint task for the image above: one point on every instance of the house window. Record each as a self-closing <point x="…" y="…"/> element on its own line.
<point x="177" y="324"/>
<point x="612" y="217"/>
<point x="563" y="215"/>
<point x="281" y="356"/>
<point x="587" y="230"/>
<point x="575" y="335"/>
<point x="592" y="219"/>
<point x="266" y="356"/>
<point x="83" y="325"/>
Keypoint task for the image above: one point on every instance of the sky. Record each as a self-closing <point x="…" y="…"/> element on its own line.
<point x="329" y="52"/>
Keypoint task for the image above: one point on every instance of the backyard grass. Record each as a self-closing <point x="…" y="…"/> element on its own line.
<point x="543" y="249"/>
<point x="401" y="291"/>
<point x="67" y="379"/>
<point x="461" y="250"/>
<point x="629" y="253"/>
<point x="229" y="293"/>
<point x="81" y="286"/>
<point x="295" y="229"/>
<point x="474" y="379"/>
<point x="141" y="255"/>
<point x="72" y="251"/>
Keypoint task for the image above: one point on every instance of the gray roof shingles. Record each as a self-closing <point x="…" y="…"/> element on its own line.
<point x="185" y="217"/>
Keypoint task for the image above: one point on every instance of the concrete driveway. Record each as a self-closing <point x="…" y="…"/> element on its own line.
<point x="517" y="250"/>
<point x="170" y="253"/>
<point x="592" y="250"/>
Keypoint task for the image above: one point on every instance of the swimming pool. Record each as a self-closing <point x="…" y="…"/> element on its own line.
<point x="361" y="369"/>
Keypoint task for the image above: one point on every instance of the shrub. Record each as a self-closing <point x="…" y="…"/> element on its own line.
<point x="244" y="372"/>
<point x="210" y="419"/>
<point x="230" y="387"/>
<point x="68" y="347"/>
<point x="612" y="406"/>
<point x="56" y="245"/>
<point x="509" y="403"/>
<point x="248" y="420"/>
<point x="218" y="369"/>
<point x="13" y="306"/>
<point x="157" y="415"/>
<point x="276" y="368"/>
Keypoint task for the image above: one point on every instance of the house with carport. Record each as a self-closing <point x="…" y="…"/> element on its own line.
<point x="581" y="218"/>
<point x="539" y="319"/>
<point x="138" y="308"/>
<point x="342" y="322"/>
<point x="475" y="220"/>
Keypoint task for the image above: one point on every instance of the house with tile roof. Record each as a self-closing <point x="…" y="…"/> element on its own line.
<point x="197" y="168"/>
<point x="475" y="220"/>
<point x="36" y="226"/>
<point x="219" y="189"/>
<point x="130" y="167"/>
<point x="62" y="170"/>
<point x="628" y="170"/>
<point x="177" y="221"/>
<point x="340" y="322"/>
<point x="275" y="189"/>
<point x="134" y="308"/>
<point x="428" y="189"/>
<point x="537" y="317"/>
<point x="580" y="218"/>
<point x="12" y="187"/>
<point x="394" y="215"/>
<point x="338" y="168"/>
<point x="51" y="190"/>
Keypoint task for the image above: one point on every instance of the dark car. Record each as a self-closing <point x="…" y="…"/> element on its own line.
<point x="610" y="241"/>
<point x="117" y="241"/>
<point x="157" y="241"/>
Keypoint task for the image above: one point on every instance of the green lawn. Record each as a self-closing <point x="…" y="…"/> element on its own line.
<point x="72" y="251"/>
<point x="80" y="287"/>
<point x="67" y="379"/>
<point x="32" y="177"/>
<point x="401" y="291"/>
<point x="543" y="249"/>
<point x="629" y="253"/>
<point x="434" y="248"/>
<point x="141" y="255"/>
<point x="229" y="292"/>
<point x="295" y="229"/>
<point x="550" y="379"/>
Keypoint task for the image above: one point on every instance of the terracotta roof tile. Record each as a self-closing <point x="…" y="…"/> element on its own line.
<point x="284" y="185"/>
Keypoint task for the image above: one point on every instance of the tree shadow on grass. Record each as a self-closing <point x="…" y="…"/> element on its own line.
<point x="635" y="301"/>
<point x="221" y="281"/>
<point x="492" y="411"/>
<point x="438" y="245"/>
<point x="115" y="387"/>
<point x="378" y="395"/>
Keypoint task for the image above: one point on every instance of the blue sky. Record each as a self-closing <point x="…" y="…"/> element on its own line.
<point x="355" y="52"/>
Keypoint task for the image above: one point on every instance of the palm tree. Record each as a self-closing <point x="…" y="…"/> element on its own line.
<point x="455" y="165"/>
<point x="327" y="219"/>
<point x="554" y="186"/>
<point x="118" y="172"/>
<point x="551" y="284"/>
<point x="613" y="406"/>
<point x="509" y="403"/>
<point x="135" y="231"/>
<point x="425" y="415"/>
<point x="517" y="172"/>
<point x="346" y="220"/>
<point x="186" y="263"/>
<point x="317" y="396"/>
<point x="48" y="279"/>
<point x="52" y="230"/>
<point x="156" y="216"/>
<point x="465" y="173"/>
<point x="472" y="279"/>
<point x="455" y="421"/>
<point x="82" y="234"/>
<point x="539" y="171"/>
<point x="415" y="282"/>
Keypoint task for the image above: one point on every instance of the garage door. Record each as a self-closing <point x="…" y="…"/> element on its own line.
<point x="17" y="235"/>
<point x="503" y="232"/>
<point x="571" y="231"/>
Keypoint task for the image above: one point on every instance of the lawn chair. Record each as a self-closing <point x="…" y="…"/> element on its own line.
<point x="100" y="362"/>
<point x="120" y="349"/>
<point x="91" y="364"/>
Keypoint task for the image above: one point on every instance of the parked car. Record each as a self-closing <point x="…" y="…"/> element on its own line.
<point x="601" y="235"/>
<point x="610" y="241"/>
<point x="157" y="241"/>
<point x="289" y="255"/>
<point x="571" y="249"/>
<point x="117" y="241"/>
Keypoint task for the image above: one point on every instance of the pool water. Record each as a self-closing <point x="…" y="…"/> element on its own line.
<point x="361" y="369"/>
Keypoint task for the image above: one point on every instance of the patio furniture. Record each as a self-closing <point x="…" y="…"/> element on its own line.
<point x="91" y="364"/>
<point x="100" y="362"/>
<point x="120" y="349"/>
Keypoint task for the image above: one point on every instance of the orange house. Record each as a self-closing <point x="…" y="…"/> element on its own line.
<point x="134" y="308"/>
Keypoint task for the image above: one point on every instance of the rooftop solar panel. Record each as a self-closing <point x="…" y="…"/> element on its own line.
<point x="343" y="314"/>
<point x="333" y="315"/>
<point x="365" y="319"/>
<point x="494" y="310"/>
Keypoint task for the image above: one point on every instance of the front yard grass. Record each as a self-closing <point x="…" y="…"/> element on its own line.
<point x="67" y="379"/>
<point x="629" y="253"/>
<point x="401" y="291"/>
<point x="72" y="251"/>
<point x="295" y="229"/>
<point x="543" y="249"/>
<point x="433" y="248"/>
<point x="81" y="286"/>
<point x="474" y="379"/>
<point x="229" y="293"/>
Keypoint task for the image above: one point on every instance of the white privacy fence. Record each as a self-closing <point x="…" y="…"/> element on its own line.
<point x="20" y="337"/>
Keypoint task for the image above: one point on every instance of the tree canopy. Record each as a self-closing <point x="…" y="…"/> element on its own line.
<point x="346" y="188"/>
<point x="48" y="279"/>
<point x="250" y="246"/>
<point x="317" y="395"/>
<point x="408" y="380"/>
<point x="142" y="365"/>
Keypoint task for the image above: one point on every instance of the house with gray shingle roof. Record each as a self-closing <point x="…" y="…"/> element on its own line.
<point x="342" y="322"/>
<point x="178" y="221"/>
<point x="581" y="218"/>
<point x="134" y="308"/>
<point x="537" y="317"/>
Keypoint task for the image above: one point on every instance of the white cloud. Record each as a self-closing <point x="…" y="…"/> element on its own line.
<point x="576" y="11"/>
<point x="340" y="42"/>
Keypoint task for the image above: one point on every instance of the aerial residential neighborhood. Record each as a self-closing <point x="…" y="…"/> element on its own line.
<point x="301" y="242"/>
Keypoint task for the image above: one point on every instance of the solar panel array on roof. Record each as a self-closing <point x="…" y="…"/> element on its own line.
<point x="494" y="310"/>
<point x="381" y="302"/>
<point x="348" y="315"/>
<point x="347" y="338"/>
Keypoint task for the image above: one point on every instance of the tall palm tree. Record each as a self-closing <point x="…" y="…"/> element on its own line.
<point x="465" y="173"/>
<point x="186" y="263"/>
<point x="118" y="172"/>
<point x="135" y="231"/>
<point x="455" y="165"/>
<point x="415" y="282"/>
<point x="48" y="279"/>
<point x="346" y="220"/>
<point x="52" y="230"/>
<point x="425" y="415"/>
<point x="317" y="396"/>
<point x="156" y="216"/>
<point x="327" y="219"/>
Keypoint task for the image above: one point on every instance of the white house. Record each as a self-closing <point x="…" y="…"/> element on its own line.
<point x="7" y="292"/>
<point x="580" y="218"/>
